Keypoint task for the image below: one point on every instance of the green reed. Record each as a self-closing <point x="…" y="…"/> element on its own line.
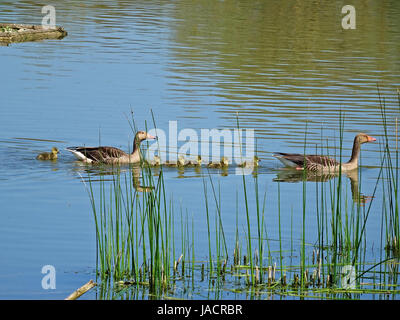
<point x="390" y="163"/>
<point x="340" y="224"/>
<point x="344" y="243"/>
<point x="134" y="227"/>
<point x="135" y="232"/>
<point x="334" y="227"/>
<point x="304" y="206"/>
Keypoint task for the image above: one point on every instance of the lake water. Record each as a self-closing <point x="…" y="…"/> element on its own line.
<point x="283" y="68"/>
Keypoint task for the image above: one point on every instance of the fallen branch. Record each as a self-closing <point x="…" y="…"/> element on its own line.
<point x="85" y="288"/>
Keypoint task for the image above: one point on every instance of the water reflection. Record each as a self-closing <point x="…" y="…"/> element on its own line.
<point x="291" y="175"/>
<point x="88" y="172"/>
<point x="278" y="64"/>
<point x="348" y="277"/>
<point x="292" y="64"/>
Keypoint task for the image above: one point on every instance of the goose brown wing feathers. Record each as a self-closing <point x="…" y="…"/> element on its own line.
<point x="100" y="154"/>
<point x="311" y="160"/>
<point x="322" y="160"/>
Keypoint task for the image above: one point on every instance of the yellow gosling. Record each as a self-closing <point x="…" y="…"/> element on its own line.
<point x="224" y="163"/>
<point x="195" y="162"/>
<point x="214" y="164"/>
<point x="250" y="164"/>
<point x="49" y="155"/>
<point x="179" y="163"/>
<point x="156" y="162"/>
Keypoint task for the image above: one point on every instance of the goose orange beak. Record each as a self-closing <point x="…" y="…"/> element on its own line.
<point x="371" y="139"/>
<point x="151" y="137"/>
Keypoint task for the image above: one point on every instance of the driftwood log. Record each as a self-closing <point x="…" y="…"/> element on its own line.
<point x="10" y="32"/>
<point x="85" y="288"/>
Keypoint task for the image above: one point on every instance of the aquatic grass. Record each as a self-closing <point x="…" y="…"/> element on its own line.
<point x="134" y="228"/>
<point x="346" y="235"/>
<point x="221" y="250"/>
<point x="348" y="222"/>
<point x="135" y="232"/>
<point x="391" y="182"/>
<point x="311" y="285"/>
<point x="254" y="279"/>
<point x="208" y="227"/>
<point x="304" y="205"/>
<point x="339" y="244"/>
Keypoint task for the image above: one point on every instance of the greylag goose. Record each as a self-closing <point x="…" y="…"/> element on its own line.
<point x="49" y="155"/>
<point x="324" y="163"/>
<point x="111" y="155"/>
<point x="250" y="164"/>
<point x="224" y="163"/>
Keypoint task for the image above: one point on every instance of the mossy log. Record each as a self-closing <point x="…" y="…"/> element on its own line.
<point x="10" y="32"/>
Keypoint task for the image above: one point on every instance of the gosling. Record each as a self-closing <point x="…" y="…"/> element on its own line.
<point x="156" y="162"/>
<point x="49" y="155"/>
<point x="195" y="162"/>
<point x="250" y="164"/>
<point x="180" y="163"/>
<point x="223" y="164"/>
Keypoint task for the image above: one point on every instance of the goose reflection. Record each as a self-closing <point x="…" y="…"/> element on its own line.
<point x="290" y="175"/>
<point x="97" y="171"/>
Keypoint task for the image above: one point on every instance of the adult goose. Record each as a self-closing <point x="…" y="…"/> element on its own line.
<point x="323" y="163"/>
<point x="111" y="155"/>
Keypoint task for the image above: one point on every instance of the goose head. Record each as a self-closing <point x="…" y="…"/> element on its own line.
<point x="54" y="150"/>
<point x="143" y="135"/>
<point x="363" y="138"/>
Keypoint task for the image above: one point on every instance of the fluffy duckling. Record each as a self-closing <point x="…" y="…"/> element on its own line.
<point x="250" y="164"/>
<point x="195" y="162"/>
<point x="224" y="163"/>
<point x="214" y="164"/>
<point x="156" y="162"/>
<point x="256" y="161"/>
<point x="180" y="163"/>
<point x="49" y="155"/>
